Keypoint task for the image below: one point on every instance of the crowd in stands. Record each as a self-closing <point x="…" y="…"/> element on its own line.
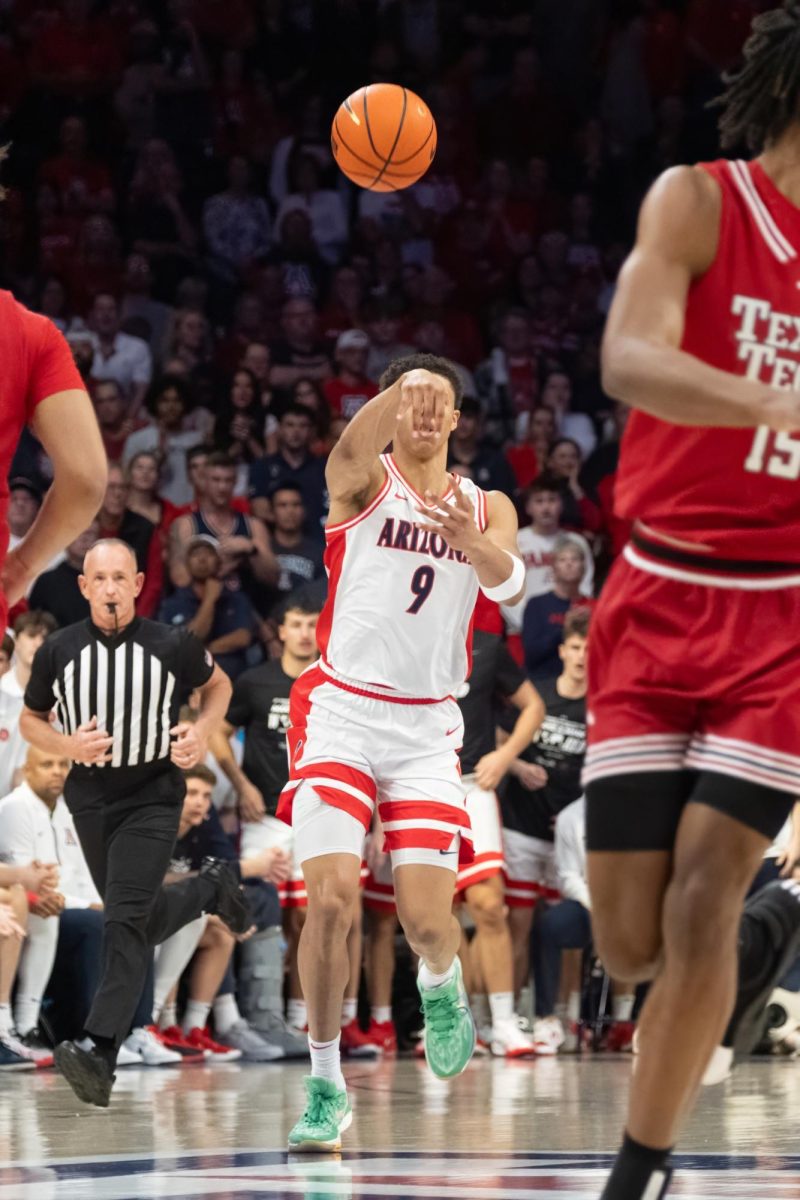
<point x="231" y="302"/>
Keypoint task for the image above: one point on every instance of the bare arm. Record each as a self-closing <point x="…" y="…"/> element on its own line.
<point x="264" y="563"/>
<point x="179" y="533"/>
<point x="281" y="376"/>
<point x="79" y="480"/>
<point x="492" y="767"/>
<point x="215" y="696"/>
<point x="88" y="745"/>
<point x="202" y="621"/>
<point x="354" y="473"/>
<point x="251" y="802"/>
<point x="642" y="364"/>
<point x="237" y="639"/>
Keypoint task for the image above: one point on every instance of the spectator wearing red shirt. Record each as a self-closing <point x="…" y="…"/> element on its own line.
<point x="82" y="184"/>
<point x="529" y="457"/>
<point x="350" y="389"/>
<point x="578" y="511"/>
<point x="77" y="54"/>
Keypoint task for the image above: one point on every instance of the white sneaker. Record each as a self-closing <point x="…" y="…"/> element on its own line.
<point x="151" y="1052"/>
<point x="127" y="1057"/>
<point x="548" y="1036"/>
<point x="719" y="1067"/>
<point x="509" y="1041"/>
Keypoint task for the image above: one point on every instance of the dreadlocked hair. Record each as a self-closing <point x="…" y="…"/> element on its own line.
<point x="762" y="98"/>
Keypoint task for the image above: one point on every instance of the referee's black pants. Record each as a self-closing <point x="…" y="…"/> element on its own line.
<point x="128" y="842"/>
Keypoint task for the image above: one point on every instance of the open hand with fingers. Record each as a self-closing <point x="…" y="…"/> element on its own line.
<point x="454" y="522"/>
<point x="89" y="745"/>
<point x="188" y="747"/>
<point x="428" y="397"/>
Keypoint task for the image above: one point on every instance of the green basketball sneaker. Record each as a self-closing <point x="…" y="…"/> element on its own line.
<point x="327" y="1114"/>
<point x="449" y="1035"/>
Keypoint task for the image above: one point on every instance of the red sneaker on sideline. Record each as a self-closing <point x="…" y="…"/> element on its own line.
<point x="175" y="1039"/>
<point x="214" y="1051"/>
<point x="357" y="1044"/>
<point x="383" y="1034"/>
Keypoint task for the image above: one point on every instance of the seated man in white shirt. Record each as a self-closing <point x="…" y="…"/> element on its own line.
<point x="62" y="954"/>
<point x="118" y="355"/>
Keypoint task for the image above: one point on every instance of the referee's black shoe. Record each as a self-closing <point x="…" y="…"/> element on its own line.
<point x="88" y="1073"/>
<point x="229" y="905"/>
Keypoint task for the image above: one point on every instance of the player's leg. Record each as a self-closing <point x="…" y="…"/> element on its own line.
<point x="424" y="906"/>
<point x="10" y="949"/>
<point x="493" y="948"/>
<point x="382" y="925"/>
<point x="293" y="922"/>
<point x="355" y="1043"/>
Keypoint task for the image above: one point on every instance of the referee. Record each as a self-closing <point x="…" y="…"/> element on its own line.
<point x="116" y="682"/>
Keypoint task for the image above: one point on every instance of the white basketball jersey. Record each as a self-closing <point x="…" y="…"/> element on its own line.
<point x="399" y="612"/>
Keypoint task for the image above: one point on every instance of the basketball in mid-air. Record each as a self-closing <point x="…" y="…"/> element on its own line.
<point x="383" y="137"/>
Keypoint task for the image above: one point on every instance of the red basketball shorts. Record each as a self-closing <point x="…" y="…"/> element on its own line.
<point x="685" y="678"/>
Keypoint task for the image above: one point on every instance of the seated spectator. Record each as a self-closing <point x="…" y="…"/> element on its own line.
<point x="168" y="401"/>
<point x="96" y="266"/>
<point x="430" y="338"/>
<point x="308" y="393"/>
<point x="116" y="425"/>
<point x="469" y="448"/>
<point x="293" y="463"/>
<point x="349" y="389"/>
<point x="300" y="354"/>
<point x="385" y="345"/>
<point x="31" y="630"/>
<point x="32" y="830"/>
<point x="236" y="223"/>
<point x="247" y="559"/>
<point x="81" y="182"/>
<point x="53" y="303"/>
<point x="141" y="476"/>
<point x="536" y="543"/>
<point x="239" y="425"/>
<point x="17" y="883"/>
<point x="24" y="502"/>
<point x="304" y="271"/>
<point x="158" y="224"/>
<point x="557" y="395"/>
<point x="57" y="591"/>
<point x="543" y="619"/>
<point x="222" y="619"/>
<point x="211" y="983"/>
<point x="116" y="520"/>
<point x="343" y="310"/>
<point x="577" y="510"/>
<point x="117" y="355"/>
<point x="196" y="473"/>
<point x="508" y="380"/>
<point x="299" y="556"/>
<point x="528" y="457"/>
<point x="599" y="477"/>
<point x="248" y="325"/>
<point x="137" y="303"/>
<point x="323" y="206"/>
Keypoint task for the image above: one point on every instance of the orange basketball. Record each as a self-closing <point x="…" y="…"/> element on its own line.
<point x="383" y="137"/>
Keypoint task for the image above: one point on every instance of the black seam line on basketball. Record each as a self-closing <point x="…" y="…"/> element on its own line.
<point x="400" y="123"/>
<point x="390" y="174"/>
<point x="401" y="161"/>
<point x="688" y="559"/>
<point x="350" y="150"/>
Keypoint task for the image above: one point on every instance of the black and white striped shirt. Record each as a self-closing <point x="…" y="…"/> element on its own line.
<point x="133" y="682"/>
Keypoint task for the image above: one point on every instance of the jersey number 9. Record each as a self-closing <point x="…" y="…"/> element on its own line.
<point x="421" y="586"/>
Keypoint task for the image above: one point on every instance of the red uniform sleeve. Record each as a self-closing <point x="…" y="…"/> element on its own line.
<point x="51" y="366"/>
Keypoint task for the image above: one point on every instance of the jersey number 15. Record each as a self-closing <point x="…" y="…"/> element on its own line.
<point x="783" y="461"/>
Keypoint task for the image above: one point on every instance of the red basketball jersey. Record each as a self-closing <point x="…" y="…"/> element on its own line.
<point x="732" y="493"/>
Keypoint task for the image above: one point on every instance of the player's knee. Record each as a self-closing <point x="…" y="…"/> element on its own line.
<point x="424" y="933"/>
<point x="330" y="904"/>
<point x="700" y="922"/>
<point x="631" y="957"/>
<point x="487" y="908"/>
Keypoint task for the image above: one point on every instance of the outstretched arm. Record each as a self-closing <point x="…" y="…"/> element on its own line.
<point x="642" y="363"/>
<point x="354" y="473"/>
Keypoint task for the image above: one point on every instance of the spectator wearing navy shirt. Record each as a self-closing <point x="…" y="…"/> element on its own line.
<point x="543" y="619"/>
<point x="294" y="463"/>
<point x="222" y="619"/>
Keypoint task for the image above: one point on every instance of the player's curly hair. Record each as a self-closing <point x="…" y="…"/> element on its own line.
<point x="427" y="362"/>
<point x="762" y="98"/>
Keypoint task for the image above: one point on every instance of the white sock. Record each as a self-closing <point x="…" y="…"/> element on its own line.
<point x="381" y="1013"/>
<point x="623" y="1007"/>
<point x="26" y="1013"/>
<point x="196" y="1015"/>
<point x="297" y="1013"/>
<point x="35" y="969"/>
<point x="561" y="1010"/>
<point x="574" y="1006"/>
<point x="6" y="1023"/>
<point x="349" y="1011"/>
<point x="226" y="1013"/>
<point x="430" y="979"/>
<point x="326" y="1062"/>
<point x="501" y="1005"/>
<point x="168" y="1016"/>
